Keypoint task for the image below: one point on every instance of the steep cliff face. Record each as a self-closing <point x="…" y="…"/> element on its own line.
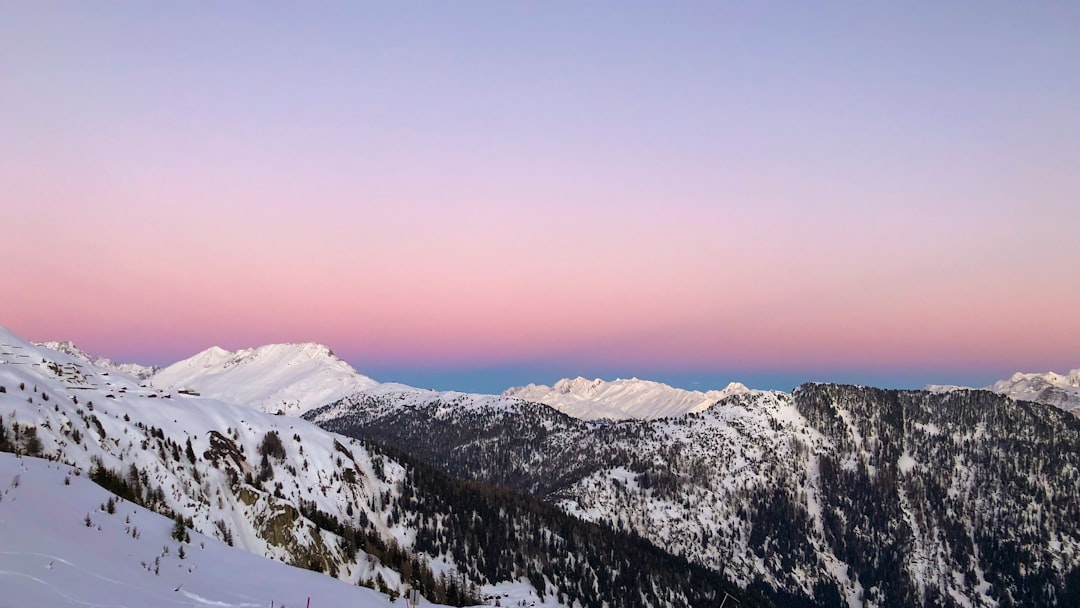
<point x="833" y="495"/>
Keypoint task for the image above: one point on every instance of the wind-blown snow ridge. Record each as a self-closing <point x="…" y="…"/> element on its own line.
<point x="285" y="378"/>
<point x="622" y="399"/>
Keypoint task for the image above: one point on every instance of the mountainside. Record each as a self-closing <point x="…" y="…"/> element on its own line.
<point x="832" y="496"/>
<point x="134" y="370"/>
<point x="283" y="488"/>
<point x="62" y="546"/>
<point x="621" y="399"/>
<point x="277" y="378"/>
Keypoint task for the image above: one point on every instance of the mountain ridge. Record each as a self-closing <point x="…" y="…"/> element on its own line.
<point x="135" y="370"/>
<point x="621" y="399"/>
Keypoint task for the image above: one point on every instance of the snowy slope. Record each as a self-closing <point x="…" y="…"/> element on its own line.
<point x="621" y="399"/>
<point x="136" y="371"/>
<point x="90" y="418"/>
<point x="286" y="378"/>
<point x="49" y="556"/>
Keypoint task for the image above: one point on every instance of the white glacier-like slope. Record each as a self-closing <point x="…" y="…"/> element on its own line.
<point x="621" y="399"/>
<point x="285" y="378"/>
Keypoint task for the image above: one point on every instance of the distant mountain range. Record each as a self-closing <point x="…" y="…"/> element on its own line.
<point x="621" y="399"/>
<point x="1059" y="390"/>
<point x="294" y="378"/>
<point x="827" y="496"/>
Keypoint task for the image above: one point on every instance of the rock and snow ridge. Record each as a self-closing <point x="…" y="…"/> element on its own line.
<point x="1059" y="390"/>
<point x="277" y="378"/>
<point x="136" y="371"/>
<point x="622" y="399"/>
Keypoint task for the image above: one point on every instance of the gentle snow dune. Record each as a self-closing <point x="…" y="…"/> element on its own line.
<point x="287" y="378"/>
<point x="50" y="557"/>
<point x="622" y="399"/>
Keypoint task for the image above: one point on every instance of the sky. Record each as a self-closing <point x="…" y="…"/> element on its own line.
<point x="474" y="195"/>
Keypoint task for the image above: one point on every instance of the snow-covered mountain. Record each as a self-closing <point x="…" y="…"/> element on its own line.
<point x="282" y="488"/>
<point x="277" y="378"/>
<point x="1059" y="390"/>
<point x="830" y="496"/>
<point x="199" y="458"/>
<point x="136" y="371"/>
<point x="621" y="399"/>
<point x="1055" y="389"/>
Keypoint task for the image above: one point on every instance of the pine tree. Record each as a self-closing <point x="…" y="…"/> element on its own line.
<point x="179" y="529"/>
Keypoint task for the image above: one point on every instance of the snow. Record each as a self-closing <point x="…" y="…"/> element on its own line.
<point x="49" y="557"/>
<point x="621" y="399"/>
<point x="906" y="463"/>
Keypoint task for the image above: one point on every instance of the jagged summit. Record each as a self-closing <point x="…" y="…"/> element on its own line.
<point x="622" y="398"/>
<point x="286" y="378"/>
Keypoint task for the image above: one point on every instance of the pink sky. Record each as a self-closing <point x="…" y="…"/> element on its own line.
<point x="424" y="196"/>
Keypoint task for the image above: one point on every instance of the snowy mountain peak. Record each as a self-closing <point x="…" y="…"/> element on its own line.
<point x="66" y="346"/>
<point x="622" y="398"/>
<point x="285" y="378"/>
<point x="211" y="356"/>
